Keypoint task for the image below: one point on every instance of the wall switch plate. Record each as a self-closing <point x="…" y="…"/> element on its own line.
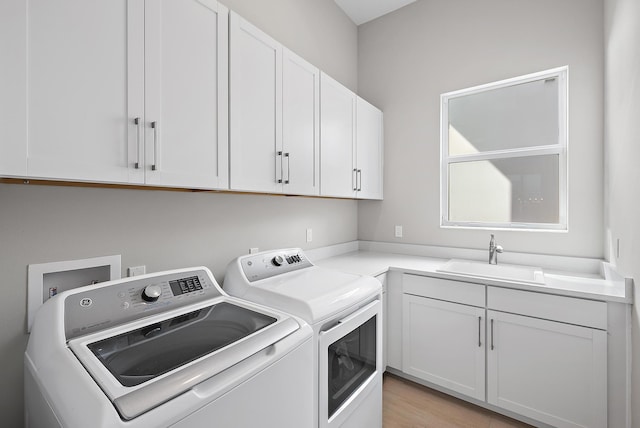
<point x="136" y="270"/>
<point x="254" y="250"/>
<point x="398" y="231"/>
<point x="309" y="235"/>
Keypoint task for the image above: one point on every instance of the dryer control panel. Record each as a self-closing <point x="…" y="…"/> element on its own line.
<point x="271" y="263"/>
<point x="105" y="305"/>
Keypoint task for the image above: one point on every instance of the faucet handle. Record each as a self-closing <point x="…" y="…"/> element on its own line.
<point x="499" y="249"/>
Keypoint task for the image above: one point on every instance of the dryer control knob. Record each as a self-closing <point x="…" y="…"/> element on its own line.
<point x="151" y="293"/>
<point x="277" y="260"/>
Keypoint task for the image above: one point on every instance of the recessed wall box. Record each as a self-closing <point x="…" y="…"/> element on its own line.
<point x="45" y="280"/>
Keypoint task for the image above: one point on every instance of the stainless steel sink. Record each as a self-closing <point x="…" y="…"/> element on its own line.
<point x="516" y="273"/>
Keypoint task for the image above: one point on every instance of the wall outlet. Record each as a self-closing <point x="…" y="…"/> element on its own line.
<point x="398" y="231"/>
<point x="136" y="270"/>
<point x="254" y="250"/>
<point x="309" y="235"/>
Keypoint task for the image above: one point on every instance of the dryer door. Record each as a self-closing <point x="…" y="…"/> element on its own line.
<point x="350" y="363"/>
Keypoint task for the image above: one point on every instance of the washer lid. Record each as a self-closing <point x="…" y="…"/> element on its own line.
<point x="145" y="353"/>
<point x="144" y="364"/>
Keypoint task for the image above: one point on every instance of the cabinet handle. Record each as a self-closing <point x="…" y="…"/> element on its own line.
<point x="359" y="180"/>
<point x="479" y="329"/>
<point x="492" y="334"/>
<point x="354" y="179"/>
<point x="136" y="121"/>
<point x="286" y="155"/>
<point x="154" y="126"/>
<point x="279" y="180"/>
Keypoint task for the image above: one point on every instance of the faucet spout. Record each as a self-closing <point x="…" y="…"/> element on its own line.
<point x="494" y="249"/>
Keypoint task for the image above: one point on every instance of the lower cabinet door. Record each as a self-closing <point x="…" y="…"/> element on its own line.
<point x="443" y="343"/>
<point x="549" y="371"/>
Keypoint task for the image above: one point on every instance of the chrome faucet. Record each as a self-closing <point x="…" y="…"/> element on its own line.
<point x="494" y="249"/>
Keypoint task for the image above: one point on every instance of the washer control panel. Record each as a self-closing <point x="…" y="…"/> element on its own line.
<point x="151" y="293"/>
<point x="185" y="285"/>
<point x="105" y="305"/>
<point x="271" y="263"/>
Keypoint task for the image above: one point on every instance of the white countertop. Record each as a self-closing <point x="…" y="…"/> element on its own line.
<point x="586" y="286"/>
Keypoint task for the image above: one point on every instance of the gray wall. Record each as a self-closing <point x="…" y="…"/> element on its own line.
<point x="408" y="58"/>
<point x="162" y="229"/>
<point x="622" y="127"/>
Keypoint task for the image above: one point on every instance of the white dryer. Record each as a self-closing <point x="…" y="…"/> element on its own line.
<point x="345" y="311"/>
<point x="168" y="349"/>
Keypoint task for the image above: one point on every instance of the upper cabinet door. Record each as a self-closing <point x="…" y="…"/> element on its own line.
<point x="337" y="135"/>
<point x="13" y="88"/>
<point x="80" y="55"/>
<point x="256" y="109"/>
<point x="369" y="152"/>
<point x="185" y="129"/>
<point x="300" y="126"/>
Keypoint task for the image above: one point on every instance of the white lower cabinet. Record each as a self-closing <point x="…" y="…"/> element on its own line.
<point x="549" y="371"/>
<point x="385" y="311"/>
<point x="444" y="344"/>
<point x="393" y="320"/>
<point x="544" y="356"/>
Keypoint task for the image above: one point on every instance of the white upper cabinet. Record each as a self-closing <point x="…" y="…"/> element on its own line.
<point x="13" y="120"/>
<point x="274" y="115"/>
<point x="127" y="92"/>
<point x="77" y="89"/>
<point x="351" y="144"/>
<point x="186" y="93"/>
<point x="300" y="125"/>
<point x="337" y="139"/>
<point x="175" y="93"/>
<point x="256" y="109"/>
<point x="369" y="151"/>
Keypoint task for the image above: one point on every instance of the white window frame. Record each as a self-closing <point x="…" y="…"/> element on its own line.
<point x="560" y="149"/>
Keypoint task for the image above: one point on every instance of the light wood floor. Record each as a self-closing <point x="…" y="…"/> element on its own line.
<point x="409" y="405"/>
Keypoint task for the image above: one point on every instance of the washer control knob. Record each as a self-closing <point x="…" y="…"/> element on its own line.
<point x="151" y="293"/>
<point x="277" y="260"/>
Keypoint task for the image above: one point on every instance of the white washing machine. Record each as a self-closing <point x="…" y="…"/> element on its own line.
<point x="345" y="311"/>
<point x="169" y="349"/>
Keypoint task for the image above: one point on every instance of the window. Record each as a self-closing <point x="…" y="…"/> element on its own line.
<point x="504" y="154"/>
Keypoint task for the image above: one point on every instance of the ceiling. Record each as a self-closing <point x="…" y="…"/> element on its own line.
<point x="361" y="11"/>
